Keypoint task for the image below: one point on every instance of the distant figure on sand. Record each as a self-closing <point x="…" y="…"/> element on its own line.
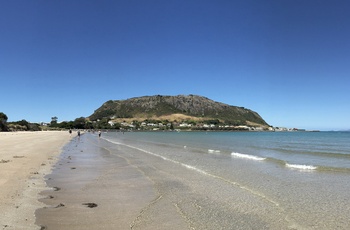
<point x="70" y="132"/>
<point x="79" y="134"/>
<point x="99" y="133"/>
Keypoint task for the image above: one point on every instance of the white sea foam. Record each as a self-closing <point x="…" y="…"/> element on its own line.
<point x="194" y="168"/>
<point x="213" y="151"/>
<point x="246" y="156"/>
<point x="301" y="167"/>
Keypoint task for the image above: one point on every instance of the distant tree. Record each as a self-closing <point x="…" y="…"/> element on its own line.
<point x="64" y="125"/>
<point x="88" y="125"/>
<point x="79" y="123"/>
<point x="3" y="122"/>
<point x="117" y="126"/>
<point x="24" y="123"/>
<point x="3" y="116"/>
<point x="212" y="121"/>
<point x="54" y="121"/>
<point x="103" y="124"/>
<point x="34" y="127"/>
<point x="137" y="124"/>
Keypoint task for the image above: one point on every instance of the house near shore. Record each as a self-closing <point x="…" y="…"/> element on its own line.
<point x="280" y="129"/>
<point x="185" y="125"/>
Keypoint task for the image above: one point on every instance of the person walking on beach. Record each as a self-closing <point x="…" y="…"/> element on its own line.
<point x="79" y="134"/>
<point x="70" y="132"/>
<point x="99" y="134"/>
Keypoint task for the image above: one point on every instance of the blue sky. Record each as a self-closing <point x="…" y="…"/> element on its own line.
<point x="288" y="60"/>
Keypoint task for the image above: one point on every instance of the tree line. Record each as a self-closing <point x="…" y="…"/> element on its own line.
<point x="23" y="125"/>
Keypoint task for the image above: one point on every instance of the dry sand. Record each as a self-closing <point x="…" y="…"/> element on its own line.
<point x="25" y="158"/>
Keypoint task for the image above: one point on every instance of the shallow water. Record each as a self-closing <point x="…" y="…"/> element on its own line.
<point x="323" y="150"/>
<point x="218" y="180"/>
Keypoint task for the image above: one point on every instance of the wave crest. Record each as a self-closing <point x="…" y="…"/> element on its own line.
<point x="246" y="156"/>
<point x="301" y="167"/>
<point x="213" y="151"/>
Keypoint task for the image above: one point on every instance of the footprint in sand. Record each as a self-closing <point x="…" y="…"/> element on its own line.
<point x="90" y="205"/>
<point x="60" y="205"/>
<point x="4" y="161"/>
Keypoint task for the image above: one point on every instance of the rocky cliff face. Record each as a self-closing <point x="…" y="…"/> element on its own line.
<point x="190" y="105"/>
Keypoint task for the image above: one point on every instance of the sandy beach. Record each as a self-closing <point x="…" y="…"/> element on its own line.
<point x="121" y="181"/>
<point x="25" y="158"/>
<point x="96" y="184"/>
<point x="52" y="181"/>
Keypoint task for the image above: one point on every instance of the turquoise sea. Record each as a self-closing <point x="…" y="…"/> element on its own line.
<point x="306" y="151"/>
<point x="245" y="180"/>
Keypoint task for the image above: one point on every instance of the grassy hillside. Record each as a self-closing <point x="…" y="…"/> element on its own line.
<point x="179" y="108"/>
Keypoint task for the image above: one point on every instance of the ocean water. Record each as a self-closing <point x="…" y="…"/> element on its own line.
<point x="308" y="151"/>
<point x="199" y="180"/>
<point x="244" y="180"/>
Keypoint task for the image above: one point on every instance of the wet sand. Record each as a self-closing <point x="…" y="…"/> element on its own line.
<point x="25" y="158"/>
<point x="92" y="189"/>
<point x="99" y="185"/>
<point x="126" y="184"/>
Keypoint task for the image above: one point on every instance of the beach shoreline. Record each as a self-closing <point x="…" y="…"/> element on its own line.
<point x="98" y="184"/>
<point x="93" y="188"/>
<point x="25" y="159"/>
<point x="133" y="181"/>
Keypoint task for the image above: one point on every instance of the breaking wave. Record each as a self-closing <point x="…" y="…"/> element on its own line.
<point x="213" y="151"/>
<point x="247" y="156"/>
<point x="301" y="167"/>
